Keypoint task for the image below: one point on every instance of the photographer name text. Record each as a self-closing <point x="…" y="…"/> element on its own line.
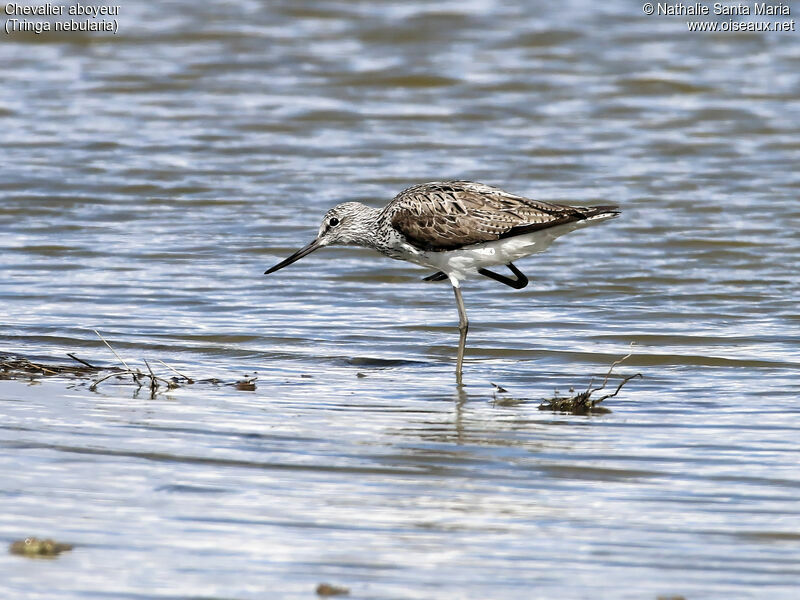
<point x="698" y="9"/>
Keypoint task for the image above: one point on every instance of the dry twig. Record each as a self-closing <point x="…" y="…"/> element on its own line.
<point x="119" y="358"/>
<point x="188" y="379"/>
<point x="137" y="374"/>
<point x="17" y="367"/>
<point x="80" y="360"/>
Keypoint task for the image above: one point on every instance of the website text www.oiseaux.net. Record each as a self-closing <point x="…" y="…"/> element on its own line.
<point x="731" y="25"/>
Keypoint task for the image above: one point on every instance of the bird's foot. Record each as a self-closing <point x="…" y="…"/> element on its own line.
<point x="520" y="282"/>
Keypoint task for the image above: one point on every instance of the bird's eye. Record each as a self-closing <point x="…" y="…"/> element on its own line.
<point x="333" y="222"/>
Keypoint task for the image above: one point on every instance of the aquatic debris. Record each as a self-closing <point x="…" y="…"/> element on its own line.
<point x="577" y="404"/>
<point x="35" y="548"/>
<point x="80" y="360"/>
<point x="17" y="367"/>
<point x="188" y="379"/>
<point x="137" y="375"/>
<point x="247" y="385"/>
<point x="326" y="589"/>
<point x="582" y="403"/>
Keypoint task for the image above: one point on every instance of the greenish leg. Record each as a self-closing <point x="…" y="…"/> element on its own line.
<point x="463" y="327"/>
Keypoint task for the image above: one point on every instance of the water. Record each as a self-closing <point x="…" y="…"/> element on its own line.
<point x="150" y="177"/>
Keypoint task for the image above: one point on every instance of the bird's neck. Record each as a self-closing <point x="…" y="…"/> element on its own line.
<point x="366" y="226"/>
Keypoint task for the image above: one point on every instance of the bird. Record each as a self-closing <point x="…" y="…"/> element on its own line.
<point x="457" y="228"/>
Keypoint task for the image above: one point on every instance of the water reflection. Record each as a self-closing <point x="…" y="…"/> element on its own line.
<point x="151" y="177"/>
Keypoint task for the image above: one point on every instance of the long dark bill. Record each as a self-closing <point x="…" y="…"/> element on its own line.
<point x="304" y="251"/>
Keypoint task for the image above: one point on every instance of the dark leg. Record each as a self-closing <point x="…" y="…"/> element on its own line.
<point x="438" y="276"/>
<point x="520" y="282"/>
<point x="463" y="327"/>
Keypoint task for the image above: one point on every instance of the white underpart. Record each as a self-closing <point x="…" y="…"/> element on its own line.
<point x="464" y="263"/>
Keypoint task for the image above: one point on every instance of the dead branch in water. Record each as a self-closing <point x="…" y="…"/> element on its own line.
<point x="247" y="384"/>
<point x="17" y="367"/>
<point x="188" y="379"/>
<point x="137" y="375"/>
<point x="119" y="358"/>
<point x="80" y="360"/>
<point x="582" y="403"/>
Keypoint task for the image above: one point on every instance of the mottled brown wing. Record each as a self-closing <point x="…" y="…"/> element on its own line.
<point x="452" y="214"/>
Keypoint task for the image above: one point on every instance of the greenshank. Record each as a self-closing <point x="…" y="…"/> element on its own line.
<point x="458" y="228"/>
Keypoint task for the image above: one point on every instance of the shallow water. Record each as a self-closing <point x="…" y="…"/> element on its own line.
<point x="149" y="178"/>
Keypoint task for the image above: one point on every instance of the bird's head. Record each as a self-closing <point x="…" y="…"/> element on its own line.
<point x="340" y="227"/>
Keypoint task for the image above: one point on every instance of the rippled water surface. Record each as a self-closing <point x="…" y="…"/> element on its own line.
<point x="149" y="178"/>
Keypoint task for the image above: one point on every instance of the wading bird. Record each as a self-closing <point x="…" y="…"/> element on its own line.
<point x="458" y="228"/>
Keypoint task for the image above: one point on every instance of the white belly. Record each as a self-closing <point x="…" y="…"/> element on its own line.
<point x="464" y="263"/>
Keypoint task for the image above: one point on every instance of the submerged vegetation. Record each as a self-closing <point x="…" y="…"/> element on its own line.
<point x="35" y="548"/>
<point x="581" y="403"/>
<point x="326" y="589"/>
<point x="15" y="367"/>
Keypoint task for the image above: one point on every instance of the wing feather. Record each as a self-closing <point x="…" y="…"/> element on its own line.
<point x="452" y="214"/>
